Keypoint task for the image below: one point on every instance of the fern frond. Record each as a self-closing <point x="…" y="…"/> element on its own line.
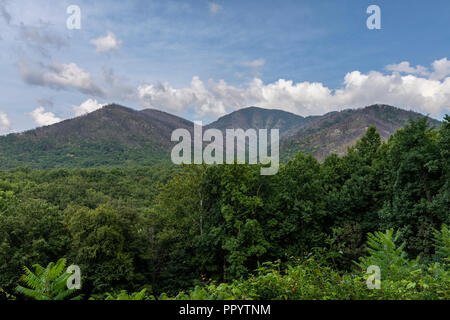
<point x="32" y="280"/>
<point x="48" y="283"/>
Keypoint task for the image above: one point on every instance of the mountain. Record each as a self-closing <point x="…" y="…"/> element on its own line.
<point x="115" y="135"/>
<point x="259" y="118"/>
<point x="333" y="132"/>
<point x="115" y="123"/>
<point x="336" y="131"/>
<point x="112" y="135"/>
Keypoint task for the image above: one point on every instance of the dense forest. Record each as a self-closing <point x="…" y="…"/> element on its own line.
<point x="227" y="232"/>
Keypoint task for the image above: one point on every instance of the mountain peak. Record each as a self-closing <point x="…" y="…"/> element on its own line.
<point x="335" y="131"/>
<point x="260" y="118"/>
<point x="116" y="107"/>
<point x="117" y="135"/>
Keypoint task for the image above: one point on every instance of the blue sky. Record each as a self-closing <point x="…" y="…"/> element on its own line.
<point x="201" y="59"/>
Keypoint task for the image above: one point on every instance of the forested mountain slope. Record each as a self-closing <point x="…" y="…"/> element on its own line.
<point x="118" y="136"/>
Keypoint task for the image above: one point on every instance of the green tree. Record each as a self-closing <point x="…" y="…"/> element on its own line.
<point x="296" y="215"/>
<point x="110" y="245"/>
<point x="233" y="239"/>
<point x="31" y="231"/>
<point x="414" y="175"/>
<point x="177" y="218"/>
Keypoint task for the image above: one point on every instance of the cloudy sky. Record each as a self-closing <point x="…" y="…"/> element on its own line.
<point x="201" y="59"/>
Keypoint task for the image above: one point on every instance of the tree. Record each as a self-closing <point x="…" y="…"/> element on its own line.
<point x="31" y="231"/>
<point x="176" y="220"/>
<point x="414" y="169"/>
<point x="233" y="240"/>
<point x="110" y="245"/>
<point x="296" y="215"/>
<point x="369" y="144"/>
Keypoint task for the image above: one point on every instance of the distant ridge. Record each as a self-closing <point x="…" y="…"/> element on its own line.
<point x="254" y="117"/>
<point x="116" y="135"/>
<point x="334" y="132"/>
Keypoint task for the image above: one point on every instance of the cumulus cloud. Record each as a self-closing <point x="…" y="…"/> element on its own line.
<point x="106" y="43"/>
<point x="424" y="94"/>
<point x="404" y="86"/>
<point x="164" y="96"/>
<point x="404" y="67"/>
<point x="214" y="7"/>
<point x="43" y="118"/>
<point x="86" y="107"/>
<point x="441" y="69"/>
<point x="59" y="76"/>
<point x="5" y="124"/>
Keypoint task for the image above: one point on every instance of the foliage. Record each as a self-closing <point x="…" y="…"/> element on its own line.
<point x="48" y="283"/>
<point x="384" y="253"/>
<point x="6" y="296"/>
<point x="109" y="244"/>
<point x="442" y="243"/>
<point x="310" y="279"/>
<point x="205" y="231"/>
<point x="124" y="295"/>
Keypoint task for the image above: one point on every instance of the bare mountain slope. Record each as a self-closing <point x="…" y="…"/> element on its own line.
<point x="336" y="131"/>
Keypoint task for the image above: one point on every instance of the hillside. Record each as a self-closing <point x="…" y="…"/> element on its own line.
<point x="259" y="118"/>
<point x="115" y="135"/>
<point x="333" y="132"/>
<point x="336" y="131"/>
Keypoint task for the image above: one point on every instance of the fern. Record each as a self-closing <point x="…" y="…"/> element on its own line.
<point x="384" y="253"/>
<point x="442" y="243"/>
<point x="48" y="283"/>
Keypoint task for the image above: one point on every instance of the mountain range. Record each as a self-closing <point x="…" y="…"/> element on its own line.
<point x="116" y="135"/>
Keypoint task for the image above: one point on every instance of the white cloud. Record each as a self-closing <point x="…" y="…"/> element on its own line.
<point x="214" y="7"/>
<point x="4" y="121"/>
<point x="86" y="107"/>
<point x="60" y="76"/>
<point x="441" y="69"/>
<point x="410" y="91"/>
<point x="404" y="67"/>
<point x="163" y="96"/>
<point x="106" y="43"/>
<point x="43" y="118"/>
